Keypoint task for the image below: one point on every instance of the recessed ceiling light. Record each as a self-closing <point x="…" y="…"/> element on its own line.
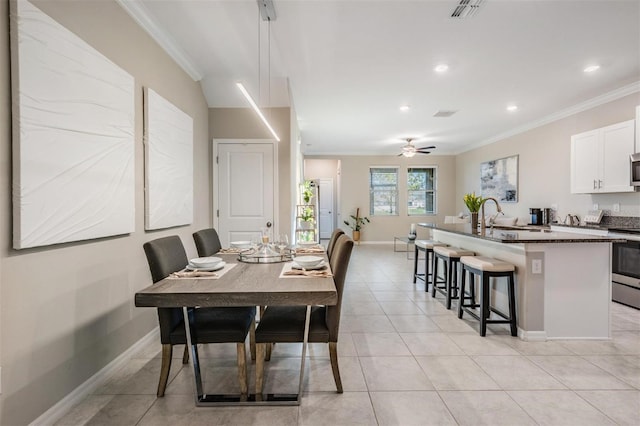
<point x="405" y="108"/>
<point x="591" y="68"/>
<point x="441" y="68"/>
<point x="512" y="108"/>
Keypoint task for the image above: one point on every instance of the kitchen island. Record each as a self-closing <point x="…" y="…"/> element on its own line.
<point x="563" y="279"/>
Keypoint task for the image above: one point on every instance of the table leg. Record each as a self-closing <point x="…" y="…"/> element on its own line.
<point x="195" y="359"/>
<point x="305" y="340"/>
<point x="208" y="400"/>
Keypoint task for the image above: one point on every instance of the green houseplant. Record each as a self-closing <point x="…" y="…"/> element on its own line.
<point x="306" y="218"/>
<point x="307" y="192"/>
<point x="356" y="223"/>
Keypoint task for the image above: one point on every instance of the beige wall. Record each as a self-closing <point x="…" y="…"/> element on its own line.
<point x="243" y="123"/>
<point x="66" y="311"/>
<point x="544" y="164"/>
<point x="354" y="193"/>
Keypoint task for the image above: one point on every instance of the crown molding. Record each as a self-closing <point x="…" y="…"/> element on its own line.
<point x="141" y="15"/>
<point x="583" y="106"/>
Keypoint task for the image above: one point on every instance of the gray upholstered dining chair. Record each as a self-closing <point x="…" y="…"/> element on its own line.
<point x="332" y="242"/>
<point x="285" y="324"/>
<point x="207" y="242"/>
<point x="209" y="325"/>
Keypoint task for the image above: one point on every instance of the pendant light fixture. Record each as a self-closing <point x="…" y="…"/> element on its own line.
<point x="268" y="13"/>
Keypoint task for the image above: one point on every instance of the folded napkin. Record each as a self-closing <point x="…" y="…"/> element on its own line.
<point x="230" y="250"/>
<point x="193" y="274"/>
<point x="319" y="274"/>
<point x="318" y="249"/>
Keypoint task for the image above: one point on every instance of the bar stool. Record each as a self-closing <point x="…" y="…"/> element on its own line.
<point x="486" y="268"/>
<point x="451" y="258"/>
<point x="427" y="247"/>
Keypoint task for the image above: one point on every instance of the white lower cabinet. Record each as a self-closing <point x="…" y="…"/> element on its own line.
<point x="600" y="159"/>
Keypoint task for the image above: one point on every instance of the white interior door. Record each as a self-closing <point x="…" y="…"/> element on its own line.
<point x="245" y="196"/>
<point x="325" y="207"/>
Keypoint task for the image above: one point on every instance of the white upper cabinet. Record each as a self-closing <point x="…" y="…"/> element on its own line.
<point x="600" y="159"/>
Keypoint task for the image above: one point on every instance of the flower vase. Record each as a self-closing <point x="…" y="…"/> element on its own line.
<point x="474" y="221"/>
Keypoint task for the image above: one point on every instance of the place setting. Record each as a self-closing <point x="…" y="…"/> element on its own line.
<point x="209" y="267"/>
<point x="236" y="247"/>
<point x="309" y="247"/>
<point x="307" y="266"/>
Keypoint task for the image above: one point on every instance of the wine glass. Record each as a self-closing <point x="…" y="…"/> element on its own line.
<point x="282" y="242"/>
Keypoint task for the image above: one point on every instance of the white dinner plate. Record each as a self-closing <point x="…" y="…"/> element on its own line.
<point x="241" y="244"/>
<point x="205" y="262"/>
<point x="321" y="265"/>
<point x="307" y="243"/>
<point x="217" y="267"/>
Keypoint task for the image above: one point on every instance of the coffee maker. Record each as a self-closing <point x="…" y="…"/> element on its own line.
<point x="536" y="216"/>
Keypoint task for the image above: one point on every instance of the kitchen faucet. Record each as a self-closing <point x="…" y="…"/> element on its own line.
<point x="483" y="225"/>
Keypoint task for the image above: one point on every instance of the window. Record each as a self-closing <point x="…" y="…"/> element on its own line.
<point x="383" y="184"/>
<point x="421" y="186"/>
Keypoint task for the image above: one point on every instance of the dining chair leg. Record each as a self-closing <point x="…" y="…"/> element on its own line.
<point x="260" y="354"/>
<point x="252" y="340"/>
<point x="333" y="354"/>
<point x="167" y="351"/>
<point x="185" y="355"/>
<point x="242" y="369"/>
<point x="267" y="355"/>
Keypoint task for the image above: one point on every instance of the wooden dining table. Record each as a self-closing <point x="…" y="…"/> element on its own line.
<point x="245" y="284"/>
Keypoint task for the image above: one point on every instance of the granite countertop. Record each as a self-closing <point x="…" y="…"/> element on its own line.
<point x="511" y="235"/>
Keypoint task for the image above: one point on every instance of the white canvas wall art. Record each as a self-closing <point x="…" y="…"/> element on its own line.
<point x="168" y="165"/>
<point x="73" y="135"/>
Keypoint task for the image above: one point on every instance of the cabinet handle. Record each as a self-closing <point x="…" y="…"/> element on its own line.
<point x="599" y="184"/>
<point x="594" y="184"/>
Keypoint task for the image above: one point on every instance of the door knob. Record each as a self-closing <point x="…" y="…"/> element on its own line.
<point x="268" y="224"/>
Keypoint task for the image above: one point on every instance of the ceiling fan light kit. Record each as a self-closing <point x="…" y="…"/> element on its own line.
<point x="409" y="150"/>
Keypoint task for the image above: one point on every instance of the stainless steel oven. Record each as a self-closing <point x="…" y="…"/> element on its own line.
<point x="625" y="268"/>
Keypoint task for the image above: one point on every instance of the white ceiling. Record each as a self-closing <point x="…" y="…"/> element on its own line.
<point x="351" y="64"/>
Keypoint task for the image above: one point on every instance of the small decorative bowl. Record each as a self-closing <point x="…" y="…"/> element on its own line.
<point x="308" y="261"/>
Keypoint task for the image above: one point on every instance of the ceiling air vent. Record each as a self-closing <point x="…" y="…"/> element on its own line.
<point x="444" y="114"/>
<point x="466" y="9"/>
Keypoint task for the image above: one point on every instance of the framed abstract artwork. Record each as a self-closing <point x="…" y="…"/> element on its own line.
<point x="73" y="136"/>
<point x="168" y="163"/>
<point x="499" y="179"/>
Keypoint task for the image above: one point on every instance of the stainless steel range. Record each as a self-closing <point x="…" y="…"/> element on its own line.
<point x="625" y="267"/>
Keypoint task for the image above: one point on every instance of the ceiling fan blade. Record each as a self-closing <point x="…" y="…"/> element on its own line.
<point x="423" y="152"/>
<point x="425" y="147"/>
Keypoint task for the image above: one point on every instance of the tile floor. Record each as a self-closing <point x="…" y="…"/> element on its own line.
<point x="404" y="360"/>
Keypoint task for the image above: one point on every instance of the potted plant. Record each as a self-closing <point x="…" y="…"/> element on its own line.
<point x="306" y="218"/>
<point x="307" y="192"/>
<point x="473" y="203"/>
<point x="356" y="223"/>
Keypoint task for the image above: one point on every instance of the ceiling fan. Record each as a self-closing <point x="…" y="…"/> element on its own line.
<point x="409" y="150"/>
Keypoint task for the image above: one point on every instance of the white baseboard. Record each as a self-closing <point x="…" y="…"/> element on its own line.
<point x="63" y="406"/>
<point x="532" y="336"/>
<point x="581" y="338"/>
